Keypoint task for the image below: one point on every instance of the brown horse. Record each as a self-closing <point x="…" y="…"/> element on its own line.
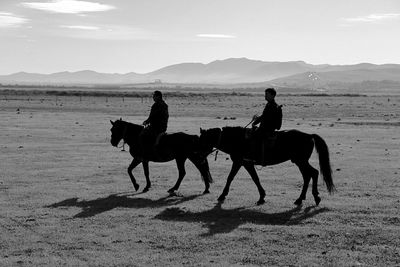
<point x="290" y="145"/>
<point x="175" y="146"/>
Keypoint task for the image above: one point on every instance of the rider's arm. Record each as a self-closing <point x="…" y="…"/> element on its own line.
<point x="256" y="120"/>
<point x="151" y="116"/>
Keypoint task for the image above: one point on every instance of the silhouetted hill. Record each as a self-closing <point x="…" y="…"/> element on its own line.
<point x="229" y="71"/>
<point x="66" y="77"/>
<point x="233" y="70"/>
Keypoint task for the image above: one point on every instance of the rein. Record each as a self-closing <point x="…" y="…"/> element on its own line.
<point x="217" y="145"/>
<point x="123" y="146"/>
<point x="253" y="119"/>
<point x="219" y="139"/>
<point x="216" y="150"/>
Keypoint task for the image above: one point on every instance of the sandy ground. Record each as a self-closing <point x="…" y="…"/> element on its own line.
<point x="66" y="198"/>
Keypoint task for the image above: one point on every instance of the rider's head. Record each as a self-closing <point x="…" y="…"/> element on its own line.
<point x="157" y="96"/>
<point x="270" y="94"/>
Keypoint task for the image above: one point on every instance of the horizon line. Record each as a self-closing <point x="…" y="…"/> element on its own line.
<point x="144" y="73"/>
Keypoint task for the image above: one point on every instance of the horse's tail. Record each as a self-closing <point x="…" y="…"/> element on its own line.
<point x="202" y="165"/>
<point x="324" y="162"/>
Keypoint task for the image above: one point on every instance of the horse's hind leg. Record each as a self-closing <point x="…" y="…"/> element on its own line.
<point x="181" y="173"/>
<point x="133" y="165"/>
<point x="202" y="166"/>
<point x="146" y="174"/>
<point x="314" y="176"/>
<point x="234" y="170"/>
<point x="308" y="172"/>
<point x="306" y="180"/>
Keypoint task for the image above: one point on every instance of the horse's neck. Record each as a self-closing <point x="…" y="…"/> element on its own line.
<point x="132" y="133"/>
<point x="228" y="140"/>
<point x="218" y="140"/>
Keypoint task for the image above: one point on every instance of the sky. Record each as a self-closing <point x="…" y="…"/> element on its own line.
<point x="121" y="36"/>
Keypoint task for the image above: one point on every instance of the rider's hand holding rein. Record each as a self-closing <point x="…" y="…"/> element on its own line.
<point x="255" y="120"/>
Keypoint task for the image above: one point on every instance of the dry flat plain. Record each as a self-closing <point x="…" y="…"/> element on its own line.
<point x="66" y="198"/>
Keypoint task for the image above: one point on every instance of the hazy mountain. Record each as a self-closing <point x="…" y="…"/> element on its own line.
<point x="234" y="70"/>
<point x="79" y="77"/>
<point x="228" y="71"/>
<point x="328" y="79"/>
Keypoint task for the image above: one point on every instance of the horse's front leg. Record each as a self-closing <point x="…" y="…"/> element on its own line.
<point x="182" y="172"/>
<point x="146" y="174"/>
<point x="234" y="170"/>
<point x="133" y="165"/>
<point x="252" y="171"/>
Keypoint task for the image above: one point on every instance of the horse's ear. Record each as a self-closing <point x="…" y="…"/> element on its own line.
<point x="201" y="131"/>
<point x="112" y="122"/>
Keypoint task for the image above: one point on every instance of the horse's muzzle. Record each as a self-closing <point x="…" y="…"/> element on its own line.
<point x="114" y="143"/>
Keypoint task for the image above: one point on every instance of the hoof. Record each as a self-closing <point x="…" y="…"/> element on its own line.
<point x="145" y="189"/>
<point x="317" y="200"/>
<point x="206" y="192"/>
<point x="298" y="202"/>
<point x="172" y="194"/>
<point x="260" y="202"/>
<point x="221" y="199"/>
<point x="172" y="190"/>
<point x="136" y="186"/>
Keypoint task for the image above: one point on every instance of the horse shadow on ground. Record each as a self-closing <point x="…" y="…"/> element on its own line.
<point x="219" y="220"/>
<point x="94" y="207"/>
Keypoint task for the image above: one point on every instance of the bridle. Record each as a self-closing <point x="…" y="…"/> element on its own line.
<point x="123" y="138"/>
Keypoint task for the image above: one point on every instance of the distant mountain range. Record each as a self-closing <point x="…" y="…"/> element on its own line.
<point x="230" y="71"/>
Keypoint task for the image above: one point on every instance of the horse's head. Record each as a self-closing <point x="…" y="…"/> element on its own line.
<point x="118" y="130"/>
<point x="209" y="139"/>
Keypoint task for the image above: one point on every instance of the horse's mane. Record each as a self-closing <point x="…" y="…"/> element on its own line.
<point x="232" y="128"/>
<point x="130" y="125"/>
<point x="234" y="133"/>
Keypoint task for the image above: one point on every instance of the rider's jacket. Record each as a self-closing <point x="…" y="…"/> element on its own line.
<point x="271" y="118"/>
<point x="158" y="118"/>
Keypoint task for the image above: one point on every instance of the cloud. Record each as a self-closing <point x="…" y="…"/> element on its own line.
<point x="10" y="20"/>
<point x="68" y="6"/>
<point x="107" y="32"/>
<point x="80" y="27"/>
<point x="208" y="35"/>
<point x="372" y="18"/>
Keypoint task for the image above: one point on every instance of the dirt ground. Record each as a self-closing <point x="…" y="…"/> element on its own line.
<point x="66" y="198"/>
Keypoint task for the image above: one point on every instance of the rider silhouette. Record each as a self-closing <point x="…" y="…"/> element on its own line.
<point x="157" y="121"/>
<point x="270" y="120"/>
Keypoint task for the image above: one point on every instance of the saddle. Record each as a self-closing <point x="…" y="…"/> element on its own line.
<point x="259" y="149"/>
<point x="268" y="141"/>
<point x="151" y="145"/>
<point x="158" y="138"/>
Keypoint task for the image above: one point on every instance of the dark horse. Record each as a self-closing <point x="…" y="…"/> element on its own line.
<point x="290" y="145"/>
<point x="175" y="146"/>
